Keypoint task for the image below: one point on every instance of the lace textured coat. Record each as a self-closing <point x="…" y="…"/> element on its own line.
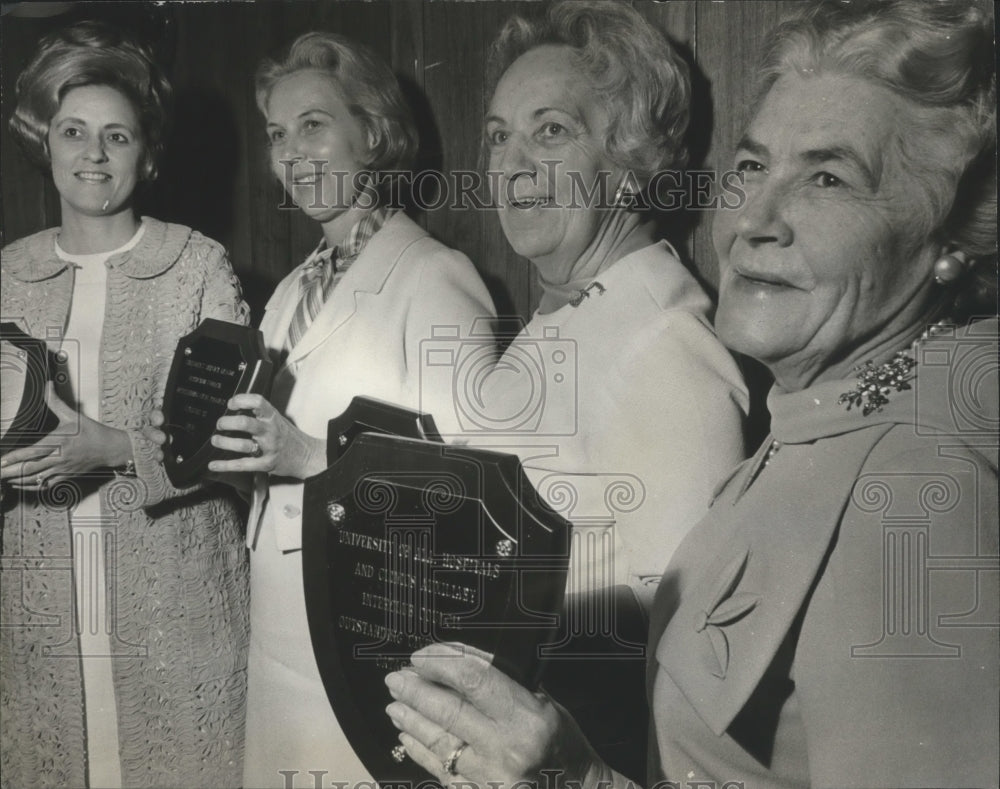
<point x="178" y="568"/>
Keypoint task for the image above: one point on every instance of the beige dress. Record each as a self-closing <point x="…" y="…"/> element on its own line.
<point x="82" y="387"/>
<point x="178" y="630"/>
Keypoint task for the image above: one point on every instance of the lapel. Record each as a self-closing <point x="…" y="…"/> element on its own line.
<point x="742" y="576"/>
<point x="366" y="277"/>
<point x="734" y="613"/>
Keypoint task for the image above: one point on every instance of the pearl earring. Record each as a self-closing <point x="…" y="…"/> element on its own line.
<point x="947" y="269"/>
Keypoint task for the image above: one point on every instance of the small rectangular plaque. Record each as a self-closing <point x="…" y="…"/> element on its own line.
<point x="214" y="362"/>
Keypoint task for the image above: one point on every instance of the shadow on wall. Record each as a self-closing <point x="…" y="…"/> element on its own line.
<point x="430" y="156"/>
<point x="680" y="222"/>
<point x="197" y="179"/>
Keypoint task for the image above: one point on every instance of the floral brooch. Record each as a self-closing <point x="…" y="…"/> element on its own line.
<point x="877" y="382"/>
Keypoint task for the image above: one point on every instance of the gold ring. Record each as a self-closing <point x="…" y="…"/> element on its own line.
<point x="256" y="452"/>
<point x="451" y="762"/>
<point x="398" y="754"/>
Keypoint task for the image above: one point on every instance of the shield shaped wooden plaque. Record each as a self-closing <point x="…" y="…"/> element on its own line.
<point x="407" y="542"/>
<point x="24" y="416"/>
<point x="211" y="364"/>
<point x="368" y="415"/>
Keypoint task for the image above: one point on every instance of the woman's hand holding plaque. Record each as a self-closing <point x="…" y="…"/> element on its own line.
<point x="215" y="362"/>
<point x="266" y="441"/>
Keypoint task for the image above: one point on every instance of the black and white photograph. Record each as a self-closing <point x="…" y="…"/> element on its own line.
<point x="499" y="394"/>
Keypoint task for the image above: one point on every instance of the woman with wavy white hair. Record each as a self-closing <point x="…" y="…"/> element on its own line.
<point x="831" y="622"/>
<point x="589" y="104"/>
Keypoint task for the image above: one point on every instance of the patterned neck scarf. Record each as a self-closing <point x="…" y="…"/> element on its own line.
<point x="324" y="269"/>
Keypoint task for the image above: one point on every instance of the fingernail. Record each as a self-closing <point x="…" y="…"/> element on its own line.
<point x="394" y="682"/>
<point x="395" y="713"/>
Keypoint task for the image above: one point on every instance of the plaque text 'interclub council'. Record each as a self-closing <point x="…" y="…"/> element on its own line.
<point x="407" y="542"/>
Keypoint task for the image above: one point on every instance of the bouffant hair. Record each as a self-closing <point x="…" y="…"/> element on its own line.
<point x="91" y="53"/>
<point x="634" y="71"/>
<point x="368" y="86"/>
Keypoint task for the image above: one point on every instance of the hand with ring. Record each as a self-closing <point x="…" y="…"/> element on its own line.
<point x="267" y="440"/>
<point x="154" y="433"/>
<point x="461" y="719"/>
<point x="76" y="447"/>
<point x="450" y="765"/>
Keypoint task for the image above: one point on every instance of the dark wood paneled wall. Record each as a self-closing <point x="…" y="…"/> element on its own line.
<point x="215" y="177"/>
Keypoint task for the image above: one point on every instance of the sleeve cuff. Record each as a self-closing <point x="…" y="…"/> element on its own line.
<point x="148" y="469"/>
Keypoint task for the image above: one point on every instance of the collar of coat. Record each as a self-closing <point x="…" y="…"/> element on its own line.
<point x="380" y="253"/>
<point x="34" y="258"/>
<point x="717" y="637"/>
<point x="375" y="263"/>
<point x="365" y="277"/>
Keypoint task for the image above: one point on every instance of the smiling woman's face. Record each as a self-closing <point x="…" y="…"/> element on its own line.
<point x="96" y="151"/>
<point x="827" y="259"/>
<point x="544" y="129"/>
<point x="317" y="145"/>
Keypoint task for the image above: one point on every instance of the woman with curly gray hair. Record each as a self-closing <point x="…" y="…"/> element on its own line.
<point x="621" y="403"/>
<point x="590" y="103"/>
<point x="831" y="622"/>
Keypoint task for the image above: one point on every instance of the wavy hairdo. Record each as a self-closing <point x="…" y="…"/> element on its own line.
<point x="635" y="73"/>
<point x="369" y="88"/>
<point x="90" y="53"/>
<point x="939" y="57"/>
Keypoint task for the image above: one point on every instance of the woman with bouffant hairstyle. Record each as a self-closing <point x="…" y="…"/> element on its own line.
<point x="589" y="103"/>
<point x="630" y="69"/>
<point x="158" y="697"/>
<point x="348" y="321"/>
<point x="370" y="89"/>
<point x="88" y="54"/>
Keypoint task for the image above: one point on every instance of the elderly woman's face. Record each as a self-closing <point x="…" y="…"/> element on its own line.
<point x="96" y="150"/>
<point x="827" y="253"/>
<point x="544" y="130"/>
<point x="317" y="145"/>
